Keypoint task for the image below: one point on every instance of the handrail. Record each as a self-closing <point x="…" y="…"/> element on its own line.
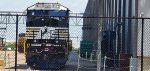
<point x="27" y="33"/>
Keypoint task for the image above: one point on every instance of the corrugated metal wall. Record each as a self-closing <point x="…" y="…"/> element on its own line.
<point x="112" y="8"/>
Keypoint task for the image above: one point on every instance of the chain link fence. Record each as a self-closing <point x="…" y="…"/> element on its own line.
<point x="99" y="43"/>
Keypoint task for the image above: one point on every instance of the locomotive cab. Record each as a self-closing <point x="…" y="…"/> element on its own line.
<point x="47" y="36"/>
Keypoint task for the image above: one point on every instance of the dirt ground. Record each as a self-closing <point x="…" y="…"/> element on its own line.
<point x="21" y="65"/>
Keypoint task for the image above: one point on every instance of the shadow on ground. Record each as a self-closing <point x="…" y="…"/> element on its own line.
<point x="20" y="66"/>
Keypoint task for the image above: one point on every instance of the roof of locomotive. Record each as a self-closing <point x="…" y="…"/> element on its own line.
<point x="47" y="6"/>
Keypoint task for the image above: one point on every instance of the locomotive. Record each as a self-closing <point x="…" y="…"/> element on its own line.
<point x="47" y="43"/>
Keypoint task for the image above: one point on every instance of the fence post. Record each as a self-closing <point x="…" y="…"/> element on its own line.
<point x="105" y="63"/>
<point x="16" y="42"/>
<point x="91" y="57"/>
<point x="78" y="65"/>
<point x="142" y="39"/>
<point x="86" y="55"/>
<point x="99" y="46"/>
<point x="9" y="61"/>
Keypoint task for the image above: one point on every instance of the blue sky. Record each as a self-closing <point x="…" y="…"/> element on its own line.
<point x="21" y="5"/>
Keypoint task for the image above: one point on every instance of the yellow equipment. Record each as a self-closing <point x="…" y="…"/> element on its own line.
<point x="2" y="63"/>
